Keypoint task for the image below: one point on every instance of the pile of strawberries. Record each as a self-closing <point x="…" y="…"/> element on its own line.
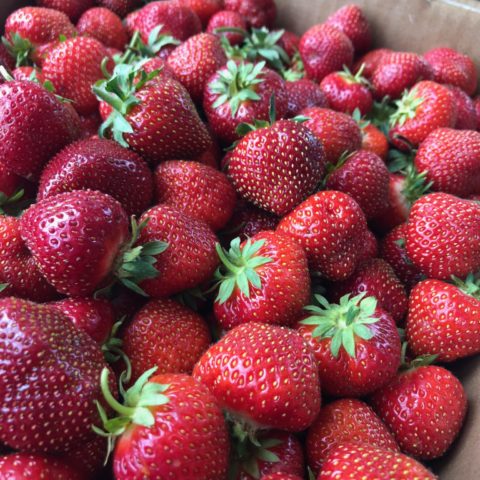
<point x="227" y="251"/>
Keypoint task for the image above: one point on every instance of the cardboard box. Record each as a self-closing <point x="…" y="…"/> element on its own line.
<point x="412" y="25"/>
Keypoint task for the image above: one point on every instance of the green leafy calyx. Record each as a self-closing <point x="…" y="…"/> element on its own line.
<point x="19" y="48"/>
<point x="470" y="286"/>
<point x="350" y="77"/>
<point x="406" y="108"/>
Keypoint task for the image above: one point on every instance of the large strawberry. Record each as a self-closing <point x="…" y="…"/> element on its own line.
<point x="72" y="8"/>
<point x="303" y="93"/>
<point x="256" y="383"/>
<point x="258" y="13"/>
<point x="34" y="126"/>
<point x="451" y="243"/>
<point x="229" y="20"/>
<point x="356" y="344"/>
<point x="103" y="165"/>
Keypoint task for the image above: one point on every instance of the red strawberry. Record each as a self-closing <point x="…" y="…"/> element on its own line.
<point x="424" y="428"/>
<point x="241" y="93"/>
<point x="263" y="388"/>
<point x="99" y="164"/>
<point x="12" y="187"/>
<point x="347" y="461"/>
<point x="370" y="61"/>
<point x="376" y="278"/>
<point x="426" y="107"/>
<point x="50" y="374"/>
<point x="353" y="23"/>
<point x="228" y="19"/>
<point x="280" y="476"/>
<point x="197" y="190"/>
<point x="451" y="243"/>
<point x="190" y="258"/>
<point x="284" y="172"/>
<point x="337" y="131"/>
<point x="302" y="94"/>
<point x="369" y="247"/>
<point x="476" y="102"/>
<point x="258" y="13"/>
<point x="34" y="126"/>
<point x="265" y="279"/>
<point x="324" y="49"/>
<point x="289" y="41"/>
<point x="205" y="9"/>
<point x="452" y="67"/>
<point x="72" y="8"/>
<point x="195" y="61"/>
<point x="365" y="177"/>
<point x="120" y="7"/>
<point x="345" y="420"/>
<point x="89" y="457"/>
<point x="28" y="73"/>
<point x="373" y="140"/>
<point x="356" y="344"/>
<point x="331" y="227"/>
<point x="6" y="60"/>
<point x="466" y="112"/>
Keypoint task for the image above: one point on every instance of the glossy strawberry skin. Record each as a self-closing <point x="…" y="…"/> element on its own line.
<point x="228" y="19"/>
<point x="373" y="140"/>
<point x="302" y="94"/>
<point x="258" y="13"/>
<point x="282" y="391"/>
<point x="417" y="425"/>
<point x="194" y="418"/>
<point x="345" y="420"/>
<point x="75" y="238"/>
<point x="29" y="137"/>
<point x="277" y="167"/>
<point x="370" y="61"/>
<point x="167" y="335"/>
<point x="102" y="165"/>
<point x="324" y="49"/>
<point x="205" y="9"/>
<point x="466" y="112"/>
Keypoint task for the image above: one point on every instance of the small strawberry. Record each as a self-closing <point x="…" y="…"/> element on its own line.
<point x="324" y="49"/>
<point x="424" y="428"/>
<point x="29" y="73"/>
<point x="272" y="379"/>
<point x="205" y="9"/>
<point x="12" y="189"/>
<point x="356" y="344"/>
<point x="6" y="60"/>
<point x="264" y="279"/>
<point x="345" y="420"/>
<point x="370" y="61"/>
<point x="369" y="249"/>
<point x="120" y="7"/>
<point x="373" y="140"/>
<point x="302" y="94"/>
<point x="289" y="41"/>
<point x="90" y="124"/>
<point x="72" y="8"/>
<point x="466" y="112"/>
<point x="452" y="67"/>
<point x="476" y="102"/>
<point x="228" y="19"/>
<point x="331" y="227"/>
<point x="258" y="13"/>
<point x="450" y="245"/>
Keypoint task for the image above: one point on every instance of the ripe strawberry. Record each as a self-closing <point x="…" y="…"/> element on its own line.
<point x="50" y="374"/>
<point x="426" y="107"/>
<point x="264" y="279"/>
<point x="205" y="9"/>
<point x="428" y="427"/>
<point x="450" y="244"/>
<point x="345" y="420"/>
<point x="197" y="190"/>
<point x="6" y="60"/>
<point x="331" y="227"/>
<point x="370" y="61"/>
<point x="88" y="458"/>
<point x="102" y="165"/>
<point x="72" y="8"/>
<point x="476" y="102"/>
<point x="347" y="461"/>
<point x="302" y="94"/>
<point x="337" y="131"/>
<point x="324" y="49"/>
<point x="289" y="41"/>
<point x="195" y="61"/>
<point x="365" y="177"/>
<point x="369" y="249"/>
<point x="466" y="112"/>
<point x="190" y="258"/>
<point x="228" y="19"/>
<point x="120" y="7"/>
<point x="258" y="13"/>
<point x="281" y="476"/>
<point x="28" y="73"/>
<point x="373" y="140"/>
<point x="34" y="126"/>
<point x="241" y="93"/>
<point x="356" y="344"/>
<point x="290" y="165"/>
<point x="376" y="278"/>
<point x="12" y="188"/>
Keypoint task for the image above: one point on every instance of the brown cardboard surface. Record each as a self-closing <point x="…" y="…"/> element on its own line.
<point x="415" y="25"/>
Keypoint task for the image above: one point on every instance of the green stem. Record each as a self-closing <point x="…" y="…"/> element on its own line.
<point x="110" y="399"/>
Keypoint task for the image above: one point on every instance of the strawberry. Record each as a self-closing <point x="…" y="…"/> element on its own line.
<point x="369" y="249"/>
<point x="347" y="461"/>
<point x="397" y="71"/>
<point x="290" y="165"/>
<point x="205" y="9"/>
<point x="331" y="227"/>
<point x="351" y="20"/>
<point x="370" y="61"/>
<point x="428" y="427"/>
<point x="89" y="457"/>
<point x="324" y="49"/>
<point x="451" y="161"/>
<point x="50" y="374"/>
<point x="158" y="410"/>
<point x="195" y="61"/>
<point x="356" y="344"/>
<point x="289" y="41"/>
<point x="258" y="13"/>
<point x="228" y="19"/>
<point x="281" y="476"/>
<point x="452" y="67"/>
<point x="373" y="140"/>
<point x="212" y="156"/>
<point x="120" y="7"/>
<point x="190" y="258"/>
<point x="72" y="8"/>
<point x="450" y="244"/>
<point x="302" y="94"/>
<point x="346" y="92"/>
<point x="103" y="165"/>
<point x="34" y="126"/>
<point x="264" y="279"/>
<point x="364" y="176"/>
<point x="426" y="107"/>
<point x="12" y="188"/>
<point x="28" y="73"/>
<point x="6" y="60"/>
<point x="476" y="102"/>
<point x="197" y="190"/>
<point x="345" y="420"/>
<point x="376" y="278"/>
<point x="466" y="112"/>
<point x="241" y="93"/>
<point x="337" y="131"/>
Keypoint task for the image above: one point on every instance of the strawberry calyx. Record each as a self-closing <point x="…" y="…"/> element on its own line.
<point x="351" y="78"/>
<point x="470" y="286"/>
<point x="19" y="48"/>
<point x="297" y="69"/>
<point x="406" y="108"/>
<point x="344" y="322"/>
<point x="407" y="364"/>
<point x="238" y="268"/>
<point x="415" y="185"/>
<point x="362" y="122"/>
